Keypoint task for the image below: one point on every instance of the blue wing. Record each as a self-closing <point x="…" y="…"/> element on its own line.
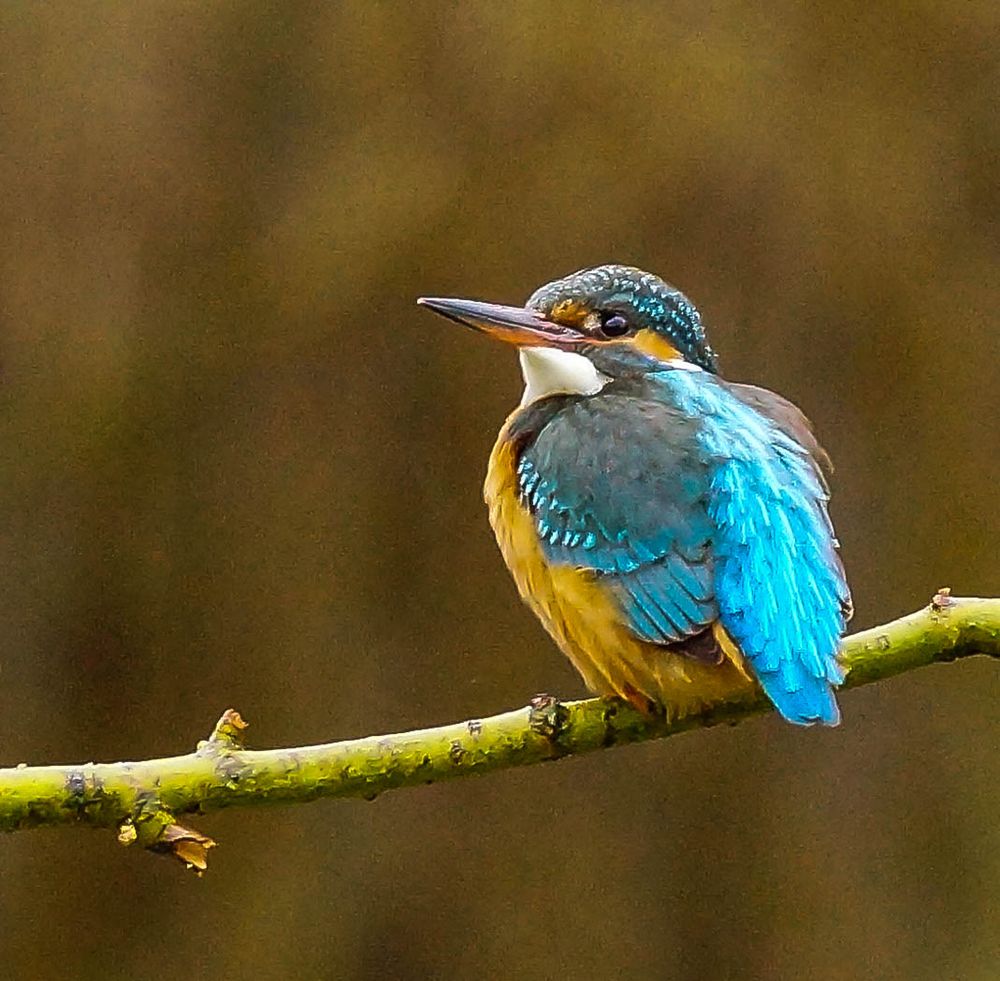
<point x="783" y="596"/>
<point x="609" y="493"/>
<point x="704" y="505"/>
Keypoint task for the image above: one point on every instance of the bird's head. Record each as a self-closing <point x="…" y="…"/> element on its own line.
<point x="617" y="319"/>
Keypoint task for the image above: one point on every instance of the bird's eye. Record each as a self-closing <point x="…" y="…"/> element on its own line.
<point x="614" y="325"/>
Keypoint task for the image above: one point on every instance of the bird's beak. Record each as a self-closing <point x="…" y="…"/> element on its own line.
<point x="521" y="326"/>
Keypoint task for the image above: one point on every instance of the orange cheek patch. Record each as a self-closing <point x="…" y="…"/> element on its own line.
<point x="655" y="345"/>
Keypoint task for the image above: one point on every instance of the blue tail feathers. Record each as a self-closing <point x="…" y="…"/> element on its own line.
<point x="805" y="699"/>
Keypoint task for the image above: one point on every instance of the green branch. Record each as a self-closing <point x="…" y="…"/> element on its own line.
<point x="142" y="800"/>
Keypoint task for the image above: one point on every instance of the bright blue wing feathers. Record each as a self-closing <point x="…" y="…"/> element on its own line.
<point x="782" y="593"/>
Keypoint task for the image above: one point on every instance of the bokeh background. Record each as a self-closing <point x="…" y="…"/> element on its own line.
<point x="239" y="467"/>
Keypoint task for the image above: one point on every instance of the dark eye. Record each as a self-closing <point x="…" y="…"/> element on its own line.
<point x="614" y="324"/>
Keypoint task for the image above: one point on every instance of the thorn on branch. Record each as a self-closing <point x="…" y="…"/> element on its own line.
<point x="228" y="731"/>
<point x="942" y="599"/>
<point x="224" y="745"/>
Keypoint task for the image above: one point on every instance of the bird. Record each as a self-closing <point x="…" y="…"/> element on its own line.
<point x="669" y="528"/>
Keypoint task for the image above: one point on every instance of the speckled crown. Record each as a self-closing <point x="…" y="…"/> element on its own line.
<point x="646" y="299"/>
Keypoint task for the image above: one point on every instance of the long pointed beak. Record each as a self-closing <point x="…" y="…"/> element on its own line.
<point x="515" y="325"/>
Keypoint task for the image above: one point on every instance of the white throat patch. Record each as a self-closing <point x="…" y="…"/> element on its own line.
<point x="548" y="371"/>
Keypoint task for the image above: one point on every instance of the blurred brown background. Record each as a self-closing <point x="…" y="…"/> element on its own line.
<point x="239" y="467"/>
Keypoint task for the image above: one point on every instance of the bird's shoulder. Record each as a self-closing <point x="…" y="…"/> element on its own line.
<point x="786" y="416"/>
<point x="611" y="446"/>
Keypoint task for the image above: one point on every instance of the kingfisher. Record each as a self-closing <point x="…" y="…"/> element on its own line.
<point x="668" y="527"/>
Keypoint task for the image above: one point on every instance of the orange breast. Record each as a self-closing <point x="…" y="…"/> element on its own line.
<point x="584" y="620"/>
